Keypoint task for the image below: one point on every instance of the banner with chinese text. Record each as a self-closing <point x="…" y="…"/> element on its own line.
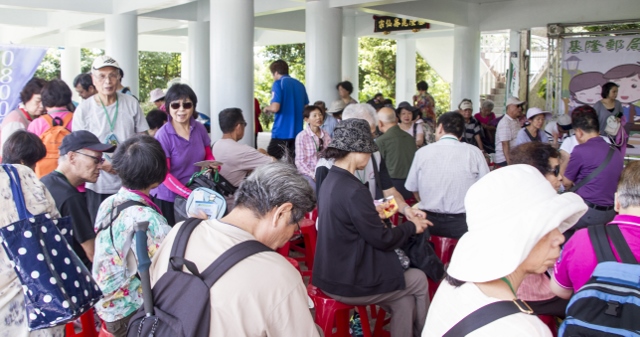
<point x="17" y="66"/>
<point x="590" y="62"/>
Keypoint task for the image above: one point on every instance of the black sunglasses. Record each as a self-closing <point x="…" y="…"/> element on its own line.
<point x="96" y="160"/>
<point x="555" y="170"/>
<point x="185" y="105"/>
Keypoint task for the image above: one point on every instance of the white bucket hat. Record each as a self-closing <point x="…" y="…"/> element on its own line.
<point x="532" y="112"/>
<point x="508" y="211"/>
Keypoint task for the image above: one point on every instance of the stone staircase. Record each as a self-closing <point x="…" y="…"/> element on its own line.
<point x="497" y="95"/>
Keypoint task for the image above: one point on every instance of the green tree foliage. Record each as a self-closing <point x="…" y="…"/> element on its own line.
<point x="50" y="66"/>
<point x="293" y="54"/>
<point x="156" y="70"/>
<point x="376" y="68"/>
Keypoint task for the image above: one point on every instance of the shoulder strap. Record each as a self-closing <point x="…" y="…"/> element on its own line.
<point x="67" y="119"/>
<point x="483" y="316"/>
<point x="415" y="127"/>
<point x="177" y="260"/>
<point x="595" y="172"/>
<point x="48" y="119"/>
<point x="621" y="245"/>
<point x="230" y="258"/>
<point x="376" y="172"/>
<point x="600" y="243"/>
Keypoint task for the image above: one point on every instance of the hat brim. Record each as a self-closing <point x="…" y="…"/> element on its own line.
<point x="547" y="115"/>
<point x="101" y="147"/>
<point x="566" y="127"/>
<point x="517" y="103"/>
<point x="336" y="111"/>
<point x="496" y="251"/>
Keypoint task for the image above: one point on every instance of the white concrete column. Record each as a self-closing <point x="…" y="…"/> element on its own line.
<point x="198" y="61"/>
<point x="184" y="67"/>
<point x="231" y="33"/>
<point x="350" y="50"/>
<point x="121" y="43"/>
<point x="70" y="67"/>
<point x="323" y="53"/>
<point x="405" y="69"/>
<point x="466" y="66"/>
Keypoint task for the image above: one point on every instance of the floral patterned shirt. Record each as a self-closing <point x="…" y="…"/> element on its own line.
<point x="121" y="288"/>
<point x="13" y="316"/>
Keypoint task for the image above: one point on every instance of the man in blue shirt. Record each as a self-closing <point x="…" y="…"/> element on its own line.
<point x="288" y="100"/>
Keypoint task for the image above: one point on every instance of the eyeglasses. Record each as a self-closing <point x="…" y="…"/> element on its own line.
<point x="298" y="225"/>
<point x="243" y="124"/>
<point x="555" y="170"/>
<point x="102" y="77"/>
<point x="185" y="105"/>
<point x="96" y="160"/>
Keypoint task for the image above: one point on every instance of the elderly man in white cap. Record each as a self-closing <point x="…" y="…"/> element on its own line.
<point x="558" y="130"/>
<point x="113" y="117"/>
<point x="507" y="131"/>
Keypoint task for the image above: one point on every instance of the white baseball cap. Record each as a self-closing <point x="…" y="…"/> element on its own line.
<point x="532" y="112"/>
<point x="508" y="211"/>
<point x="514" y="100"/>
<point x="104" y="61"/>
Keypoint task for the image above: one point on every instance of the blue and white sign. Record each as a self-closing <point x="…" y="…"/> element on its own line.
<point x="17" y="66"/>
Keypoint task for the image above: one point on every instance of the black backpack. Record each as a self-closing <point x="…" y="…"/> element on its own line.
<point x="180" y="303"/>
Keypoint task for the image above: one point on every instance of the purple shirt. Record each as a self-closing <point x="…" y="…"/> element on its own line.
<point x="585" y="158"/>
<point x="182" y="153"/>
<point x="578" y="259"/>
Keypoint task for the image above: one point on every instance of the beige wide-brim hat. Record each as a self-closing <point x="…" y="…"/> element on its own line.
<point x="508" y="211"/>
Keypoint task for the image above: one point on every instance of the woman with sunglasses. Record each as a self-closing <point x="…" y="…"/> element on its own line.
<point x="535" y="289"/>
<point x="310" y="142"/>
<point x="185" y="142"/>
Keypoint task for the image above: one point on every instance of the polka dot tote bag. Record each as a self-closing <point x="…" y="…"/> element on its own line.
<point x="57" y="286"/>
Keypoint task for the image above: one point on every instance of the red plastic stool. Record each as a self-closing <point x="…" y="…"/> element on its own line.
<point x="550" y="321"/>
<point x="329" y="311"/>
<point x="104" y="332"/>
<point x="444" y="249"/>
<point x="88" y="326"/>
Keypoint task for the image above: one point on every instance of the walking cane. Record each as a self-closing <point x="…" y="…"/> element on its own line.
<point x="144" y="262"/>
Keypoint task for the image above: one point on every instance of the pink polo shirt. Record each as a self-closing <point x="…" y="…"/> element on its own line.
<point x="40" y="125"/>
<point x="578" y="259"/>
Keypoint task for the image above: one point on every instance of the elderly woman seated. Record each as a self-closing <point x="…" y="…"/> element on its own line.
<point x="355" y="261"/>
<point x="142" y="165"/>
<point x="513" y="232"/>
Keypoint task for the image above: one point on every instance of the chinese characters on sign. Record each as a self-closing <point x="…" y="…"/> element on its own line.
<point x="597" y="46"/>
<point x="386" y="24"/>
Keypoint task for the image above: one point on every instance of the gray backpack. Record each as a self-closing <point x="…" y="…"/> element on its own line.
<point x="179" y="304"/>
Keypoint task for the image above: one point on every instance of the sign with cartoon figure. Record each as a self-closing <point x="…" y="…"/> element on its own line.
<point x="589" y="63"/>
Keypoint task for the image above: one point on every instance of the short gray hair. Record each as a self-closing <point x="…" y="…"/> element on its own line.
<point x="361" y="111"/>
<point x="487" y="104"/>
<point x="629" y="186"/>
<point x="272" y="185"/>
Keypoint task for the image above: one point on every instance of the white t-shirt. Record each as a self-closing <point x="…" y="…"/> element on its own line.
<point x="551" y="129"/>
<point x="90" y="115"/>
<point x="451" y="305"/>
<point x="569" y="143"/>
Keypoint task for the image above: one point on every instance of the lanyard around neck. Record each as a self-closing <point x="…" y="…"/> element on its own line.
<point x="115" y="115"/>
<point x="314" y="138"/>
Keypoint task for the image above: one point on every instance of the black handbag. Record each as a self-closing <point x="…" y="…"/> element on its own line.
<point x="422" y="256"/>
<point x="208" y="178"/>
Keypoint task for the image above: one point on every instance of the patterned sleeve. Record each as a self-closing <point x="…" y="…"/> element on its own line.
<point x="305" y="150"/>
